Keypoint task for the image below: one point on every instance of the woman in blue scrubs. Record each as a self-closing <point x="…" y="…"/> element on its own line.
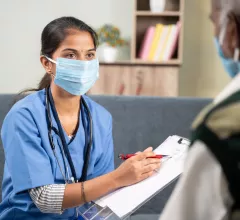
<point x="45" y="134"/>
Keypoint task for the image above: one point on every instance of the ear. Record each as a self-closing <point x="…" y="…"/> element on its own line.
<point x="231" y="39"/>
<point x="236" y="35"/>
<point x="47" y="65"/>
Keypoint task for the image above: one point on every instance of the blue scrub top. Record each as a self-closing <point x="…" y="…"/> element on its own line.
<point x="30" y="161"/>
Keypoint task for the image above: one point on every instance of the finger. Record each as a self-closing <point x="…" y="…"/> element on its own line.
<point x="150" y="168"/>
<point x="147" y="175"/>
<point x="145" y="155"/>
<point x="149" y="153"/>
<point x="151" y="161"/>
<point x="149" y="149"/>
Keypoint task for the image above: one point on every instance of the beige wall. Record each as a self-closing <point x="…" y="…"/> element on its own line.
<point x="202" y="74"/>
<point x="22" y="21"/>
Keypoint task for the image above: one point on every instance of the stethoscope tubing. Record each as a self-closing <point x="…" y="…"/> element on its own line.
<point x="64" y="148"/>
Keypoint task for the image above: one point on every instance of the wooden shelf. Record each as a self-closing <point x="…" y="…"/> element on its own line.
<point x="165" y="13"/>
<point x="163" y="63"/>
<point x="119" y="62"/>
<point x="173" y="62"/>
<point x="170" y="5"/>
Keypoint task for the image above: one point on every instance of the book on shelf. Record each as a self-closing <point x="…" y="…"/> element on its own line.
<point x="155" y="40"/>
<point x="160" y="42"/>
<point x="145" y="48"/>
<point x="172" y="45"/>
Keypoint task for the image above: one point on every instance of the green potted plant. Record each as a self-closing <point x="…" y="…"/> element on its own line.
<point x="109" y="41"/>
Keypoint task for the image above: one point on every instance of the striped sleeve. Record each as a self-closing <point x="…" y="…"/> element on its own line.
<point x="48" y="198"/>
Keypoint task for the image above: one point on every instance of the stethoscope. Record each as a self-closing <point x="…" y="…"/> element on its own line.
<point x="64" y="148"/>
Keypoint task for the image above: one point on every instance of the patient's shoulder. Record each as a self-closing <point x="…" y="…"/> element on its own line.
<point x="222" y="118"/>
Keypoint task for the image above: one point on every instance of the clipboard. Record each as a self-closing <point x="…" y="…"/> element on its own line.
<point x="95" y="212"/>
<point x="119" y="205"/>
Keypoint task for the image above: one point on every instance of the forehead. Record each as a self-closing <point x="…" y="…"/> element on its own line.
<point x="79" y="40"/>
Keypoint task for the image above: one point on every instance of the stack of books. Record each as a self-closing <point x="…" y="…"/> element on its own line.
<point x="160" y="42"/>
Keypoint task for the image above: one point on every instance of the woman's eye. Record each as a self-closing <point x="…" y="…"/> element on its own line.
<point x="90" y="55"/>
<point x="71" y="56"/>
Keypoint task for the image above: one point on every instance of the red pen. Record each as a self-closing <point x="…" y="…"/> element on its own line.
<point x="127" y="156"/>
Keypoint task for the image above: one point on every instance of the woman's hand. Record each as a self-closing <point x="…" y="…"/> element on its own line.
<point x="136" y="168"/>
<point x="133" y="170"/>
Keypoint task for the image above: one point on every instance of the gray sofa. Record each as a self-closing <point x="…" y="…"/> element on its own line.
<point x="139" y="122"/>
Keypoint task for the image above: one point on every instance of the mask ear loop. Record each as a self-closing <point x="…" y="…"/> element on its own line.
<point x="49" y="59"/>
<point x="222" y="33"/>
<point x="236" y="55"/>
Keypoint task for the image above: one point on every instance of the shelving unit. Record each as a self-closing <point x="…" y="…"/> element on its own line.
<point x="144" y="77"/>
<point x="144" y="62"/>
<point x="166" y="13"/>
<point x="162" y="63"/>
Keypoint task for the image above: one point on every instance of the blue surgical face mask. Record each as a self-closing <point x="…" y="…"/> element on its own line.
<point x="76" y="76"/>
<point x="232" y="67"/>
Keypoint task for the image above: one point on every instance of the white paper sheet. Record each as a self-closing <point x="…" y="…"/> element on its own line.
<point x="125" y="200"/>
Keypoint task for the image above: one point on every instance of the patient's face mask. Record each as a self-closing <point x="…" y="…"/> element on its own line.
<point x="75" y="76"/>
<point x="231" y="65"/>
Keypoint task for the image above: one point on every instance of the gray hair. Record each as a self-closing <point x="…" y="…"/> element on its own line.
<point x="228" y="6"/>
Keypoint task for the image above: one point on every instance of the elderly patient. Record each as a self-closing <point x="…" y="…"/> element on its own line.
<point x="209" y="188"/>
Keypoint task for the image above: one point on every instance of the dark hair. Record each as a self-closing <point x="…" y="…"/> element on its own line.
<point x="53" y="35"/>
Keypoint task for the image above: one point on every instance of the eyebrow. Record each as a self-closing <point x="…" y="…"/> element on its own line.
<point x="93" y="49"/>
<point x="70" y="49"/>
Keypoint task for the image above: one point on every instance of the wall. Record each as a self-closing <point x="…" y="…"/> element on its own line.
<point x="21" y="24"/>
<point x="202" y="74"/>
